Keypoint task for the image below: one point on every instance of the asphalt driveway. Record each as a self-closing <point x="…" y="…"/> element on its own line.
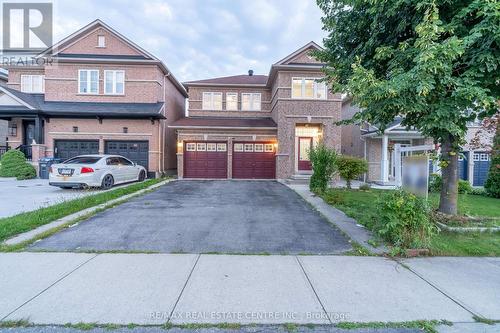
<point x="206" y="217"/>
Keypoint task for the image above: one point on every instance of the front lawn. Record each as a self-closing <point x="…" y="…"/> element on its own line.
<point x="14" y="225"/>
<point x="362" y="206"/>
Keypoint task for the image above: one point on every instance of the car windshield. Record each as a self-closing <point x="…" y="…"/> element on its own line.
<point x="82" y="160"/>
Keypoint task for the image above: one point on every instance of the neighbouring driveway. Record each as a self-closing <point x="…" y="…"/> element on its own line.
<point x="18" y="196"/>
<point x="204" y="217"/>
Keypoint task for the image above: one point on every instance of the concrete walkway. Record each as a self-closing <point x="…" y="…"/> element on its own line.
<point x="60" y="288"/>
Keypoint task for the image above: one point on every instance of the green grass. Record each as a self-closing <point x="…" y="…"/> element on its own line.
<point x="362" y="206"/>
<point x="474" y="205"/>
<point x="14" y="225"/>
<point x="423" y="325"/>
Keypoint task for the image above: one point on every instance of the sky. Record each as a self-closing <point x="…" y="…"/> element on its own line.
<point x="200" y="39"/>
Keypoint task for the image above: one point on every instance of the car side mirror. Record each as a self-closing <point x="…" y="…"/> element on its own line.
<point x="135" y="164"/>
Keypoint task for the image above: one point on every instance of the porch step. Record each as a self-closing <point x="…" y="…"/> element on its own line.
<point x="298" y="179"/>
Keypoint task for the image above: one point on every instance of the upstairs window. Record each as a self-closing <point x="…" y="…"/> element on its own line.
<point x="212" y="101"/>
<point x="32" y="83"/>
<point x="250" y="102"/>
<point x="114" y="82"/>
<point x="101" y="41"/>
<point x="231" y="101"/>
<point x="88" y="81"/>
<point x="308" y="88"/>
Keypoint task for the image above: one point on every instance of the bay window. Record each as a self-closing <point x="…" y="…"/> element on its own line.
<point x="212" y="101"/>
<point x="250" y="102"/>
<point x="88" y="81"/>
<point x="308" y="88"/>
<point x="114" y="82"/>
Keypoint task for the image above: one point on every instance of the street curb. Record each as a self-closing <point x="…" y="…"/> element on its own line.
<point x="346" y="224"/>
<point x="32" y="234"/>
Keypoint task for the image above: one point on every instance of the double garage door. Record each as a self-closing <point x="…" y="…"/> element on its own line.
<point x="251" y="160"/>
<point x="136" y="151"/>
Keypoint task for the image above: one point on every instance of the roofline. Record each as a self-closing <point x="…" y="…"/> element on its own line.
<point x="296" y="52"/>
<point x="5" y="91"/>
<point x="222" y="127"/>
<point x="263" y="85"/>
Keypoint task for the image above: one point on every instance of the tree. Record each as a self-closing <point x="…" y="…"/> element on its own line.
<point x="492" y="185"/>
<point x="351" y="167"/>
<point x="435" y="63"/>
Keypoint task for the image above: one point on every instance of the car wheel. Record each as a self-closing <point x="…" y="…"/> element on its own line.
<point x="142" y="176"/>
<point x="107" y="182"/>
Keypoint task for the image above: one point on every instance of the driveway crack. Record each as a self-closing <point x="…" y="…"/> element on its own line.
<point x="50" y="286"/>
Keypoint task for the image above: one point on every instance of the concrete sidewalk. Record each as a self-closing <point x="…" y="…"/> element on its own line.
<point x="60" y="288"/>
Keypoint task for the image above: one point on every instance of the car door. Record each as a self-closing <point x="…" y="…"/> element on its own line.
<point x="128" y="168"/>
<point x="113" y="164"/>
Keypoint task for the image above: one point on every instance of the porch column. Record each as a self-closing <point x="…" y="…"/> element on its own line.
<point x="384" y="163"/>
<point x="38" y="135"/>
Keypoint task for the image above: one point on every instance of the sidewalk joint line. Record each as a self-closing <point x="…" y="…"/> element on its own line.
<point x="50" y="286"/>
<point x="439" y="289"/>
<point x="313" y="289"/>
<point x="183" y="287"/>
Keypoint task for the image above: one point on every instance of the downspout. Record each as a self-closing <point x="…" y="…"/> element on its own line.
<point x="364" y="156"/>
<point x="161" y="129"/>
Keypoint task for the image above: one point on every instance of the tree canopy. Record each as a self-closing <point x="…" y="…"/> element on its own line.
<point x="435" y="63"/>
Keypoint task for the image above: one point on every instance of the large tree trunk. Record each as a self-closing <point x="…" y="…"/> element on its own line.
<point x="449" y="189"/>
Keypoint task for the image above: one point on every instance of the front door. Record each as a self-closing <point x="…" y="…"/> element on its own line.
<point x="29" y="132"/>
<point x="305" y="146"/>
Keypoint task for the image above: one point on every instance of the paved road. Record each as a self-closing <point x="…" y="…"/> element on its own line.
<point x="18" y="196"/>
<point x="205" y="217"/>
<point x="59" y="288"/>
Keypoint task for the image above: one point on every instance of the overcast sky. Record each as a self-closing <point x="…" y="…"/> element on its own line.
<point x="199" y="39"/>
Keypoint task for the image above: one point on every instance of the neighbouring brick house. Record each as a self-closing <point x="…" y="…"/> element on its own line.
<point x="377" y="148"/>
<point x="103" y="94"/>
<point x="258" y="126"/>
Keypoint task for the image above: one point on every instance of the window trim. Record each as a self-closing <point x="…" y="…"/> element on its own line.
<point x="251" y="101"/>
<point x="89" y="82"/>
<point x="233" y="94"/>
<point x="190" y="146"/>
<point x="211" y="106"/>
<point x="98" y="41"/>
<point x="31" y="76"/>
<point x="303" y="88"/>
<point x="114" y="72"/>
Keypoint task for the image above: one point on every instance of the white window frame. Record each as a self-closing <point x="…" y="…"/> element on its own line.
<point x="211" y="103"/>
<point x="191" y="146"/>
<point x="261" y="148"/>
<point x="114" y="73"/>
<point x="238" y="147"/>
<point x="475" y="157"/>
<point x="484" y="157"/>
<point x="30" y="87"/>
<point x="201" y="144"/>
<point x="249" y="146"/>
<point x="268" y="148"/>
<point x="211" y="146"/>
<point x="232" y="94"/>
<point x="221" y="147"/>
<point x="303" y="88"/>
<point x="252" y="103"/>
<point x="99" y="39"/>
<point x="89" y="82"/>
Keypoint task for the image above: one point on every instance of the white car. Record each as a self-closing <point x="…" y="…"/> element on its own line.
<point x="102" y="171"/>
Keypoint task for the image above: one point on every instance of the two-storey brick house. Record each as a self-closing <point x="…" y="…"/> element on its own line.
<point x="102" y="94"/>
<point x="258" y="126"/>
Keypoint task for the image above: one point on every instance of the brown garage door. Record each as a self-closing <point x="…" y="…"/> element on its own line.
<point x="254" y="160"/>
<point x="204" y="159"/>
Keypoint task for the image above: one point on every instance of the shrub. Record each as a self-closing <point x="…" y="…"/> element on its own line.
<point x="478" y="191"/>
<point x="435" y="182"/>
<point x="464" y="186"/>
<point x="365" y="187"/>
<point x="351" y="168"/>
<point x="14" y="165"/>
<point x="323" y="165"/>
<point x="492" y="185"/>
<point x="404" y="220"/>
<point x="333" y="198"/>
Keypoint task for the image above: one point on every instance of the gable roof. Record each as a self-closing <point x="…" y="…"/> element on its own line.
<point x="310" y="45"/>
<point x="55" y="50"/>
<point x="260" y="80"/>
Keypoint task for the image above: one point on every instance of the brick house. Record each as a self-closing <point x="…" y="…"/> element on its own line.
<point x="257" y="126"/>
<point x="102" y="94"/>
<point x="368" y="142"/>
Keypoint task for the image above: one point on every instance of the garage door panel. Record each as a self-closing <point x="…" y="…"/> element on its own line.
<point x="66" y="149"/>
<point x="205" y="159"/>
<point x="250" y="162"/>
<point x="136" y="151"/>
